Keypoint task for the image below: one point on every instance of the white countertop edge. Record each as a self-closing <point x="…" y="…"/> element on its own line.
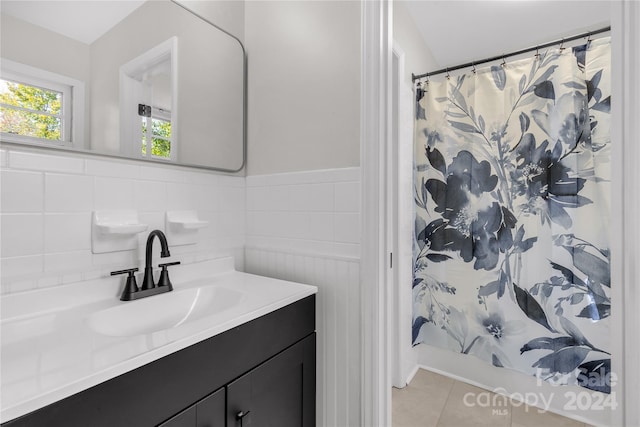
<point x="52" y="396"/>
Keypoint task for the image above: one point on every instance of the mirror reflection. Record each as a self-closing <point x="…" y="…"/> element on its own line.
<point x="140" y="79"/>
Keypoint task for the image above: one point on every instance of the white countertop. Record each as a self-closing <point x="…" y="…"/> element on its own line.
<point x="49" y="351"/>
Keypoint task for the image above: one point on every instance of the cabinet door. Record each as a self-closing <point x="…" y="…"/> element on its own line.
<point x="278" y="393"/>
<point x="208" y="412"/>
<point x="186" y="418"/>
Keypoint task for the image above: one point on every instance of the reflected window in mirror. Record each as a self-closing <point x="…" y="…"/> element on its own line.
<point x="127" y="53"/>
<point x="148" y="102"/>
<point x="157" y="129"/>
<point x="38" y="106"/>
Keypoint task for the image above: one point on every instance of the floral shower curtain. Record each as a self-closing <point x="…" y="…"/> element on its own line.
<point x="512" y="199"/>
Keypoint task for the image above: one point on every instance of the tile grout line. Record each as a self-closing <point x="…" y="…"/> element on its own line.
<point x="445" y="402"/>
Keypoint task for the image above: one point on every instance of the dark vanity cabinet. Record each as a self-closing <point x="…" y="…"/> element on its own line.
<point x="261" y="374"/>
<point x="273" y="394"/>
<point x="209" y="412"/>
<point x="280" y="392"/>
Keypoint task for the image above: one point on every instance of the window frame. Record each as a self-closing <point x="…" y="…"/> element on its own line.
<point x="162" y="115"/>
<point x="72" y="103"/>
<point x="131" y="97"/>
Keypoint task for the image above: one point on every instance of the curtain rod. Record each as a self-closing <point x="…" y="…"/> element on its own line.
<point x="519" y="52"/>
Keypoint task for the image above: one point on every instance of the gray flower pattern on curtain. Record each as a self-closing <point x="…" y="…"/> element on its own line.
<point x="511" y="244"/>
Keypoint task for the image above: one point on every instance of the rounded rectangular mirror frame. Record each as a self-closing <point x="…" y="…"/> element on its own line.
<point x="159" y="161"/>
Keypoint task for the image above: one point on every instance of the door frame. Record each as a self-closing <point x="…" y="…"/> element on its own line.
<point x="375" y="134"/>
<point x="377" y="18"/>
<point x="625" y="209"/>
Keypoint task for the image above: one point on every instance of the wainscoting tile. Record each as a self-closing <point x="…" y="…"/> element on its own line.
<point x="68" y="261"/>
<point x="22" y="191"/>
<point x="347" y="250"/>
<point x="44" y="162"/>
<point x="232" y="199"/>
<point x="157" y="173"/>
<point x="150" y="196"/>
<point x="67" y="232"/>
<point x="305" y="177"/>
<point x="347" y="228"/>
<point x="112" y="168"/>
<point x="230" y="224"/>
<point x="202" y="178"/>
<point x="318" y="226"/>
<point x="337" y="323"/>
<point x="181" y="196"/>
<point x="347" y="197"/>
<point x="113" y="193"/>
<point x="310" y="197"/>
<point x="22" y="234"/>
<point x="68" y="193"/>
<point x="206" y="197"/>
<point x="21" y="266"/>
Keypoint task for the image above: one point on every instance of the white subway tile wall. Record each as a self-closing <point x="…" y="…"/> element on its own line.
<point x="311" y="212"/>
<point x="305" y="227"/>
<point x="337" y="325"/>
<point x="47" y="201"/>
<point x="302" y="226"/>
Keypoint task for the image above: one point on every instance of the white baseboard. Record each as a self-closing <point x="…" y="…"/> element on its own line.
<point x="512" y="384"/>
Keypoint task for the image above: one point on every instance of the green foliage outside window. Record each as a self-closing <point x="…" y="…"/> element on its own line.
<point x="32" y="122"/>
<point x="160" y="137"/>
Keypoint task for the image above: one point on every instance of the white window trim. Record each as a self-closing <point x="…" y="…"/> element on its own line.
<point x="163" y="115"/>
<point x="73" y="91"/>
<point x="129" y="123"/>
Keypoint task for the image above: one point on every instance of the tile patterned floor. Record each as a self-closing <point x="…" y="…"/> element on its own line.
<point x="433" y="400"/>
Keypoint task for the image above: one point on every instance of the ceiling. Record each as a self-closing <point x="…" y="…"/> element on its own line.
<point x="84" y="21"/>
<point x="455" y="31"/>
<point x="462" y="31"/>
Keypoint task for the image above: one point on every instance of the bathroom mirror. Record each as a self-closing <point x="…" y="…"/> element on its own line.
<point x="148" y="80"/>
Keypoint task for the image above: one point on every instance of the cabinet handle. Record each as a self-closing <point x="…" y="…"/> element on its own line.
<point x="240" y="417"/>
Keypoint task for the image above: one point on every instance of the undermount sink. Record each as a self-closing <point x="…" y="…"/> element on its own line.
<point x="164" y="311"/>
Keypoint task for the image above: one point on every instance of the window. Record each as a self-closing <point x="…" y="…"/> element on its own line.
<point x="157" y="129"/>
<point x="37" y="106"/>
<point x="148" y="103"/>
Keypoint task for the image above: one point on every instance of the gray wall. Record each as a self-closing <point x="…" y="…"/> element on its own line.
<point x="217" y="141"/>
<point x="225" y="14"/>
<point x="418" y="57"/>
<point x="304" y="85"/>
<point x="37" y="47"/>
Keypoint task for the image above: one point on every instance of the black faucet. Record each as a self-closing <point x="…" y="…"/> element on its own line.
<point x="148" y="287"/>
<point x="147" y="282"/>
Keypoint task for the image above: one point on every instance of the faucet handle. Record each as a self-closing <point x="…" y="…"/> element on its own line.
<point x="168" y="264"/>
<point x="164" y="274"/>
<point x="130" y="271"/>
<point x="130" y="286"/>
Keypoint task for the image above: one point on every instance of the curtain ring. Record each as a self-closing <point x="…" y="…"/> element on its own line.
<point x="473" y="68"/>
<point x="448" y="75"/>
<point x="537" y="55"/>
<point x="589" y="38"/>
<point x="562" y="45"/>
<point x="504" y="62"/>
